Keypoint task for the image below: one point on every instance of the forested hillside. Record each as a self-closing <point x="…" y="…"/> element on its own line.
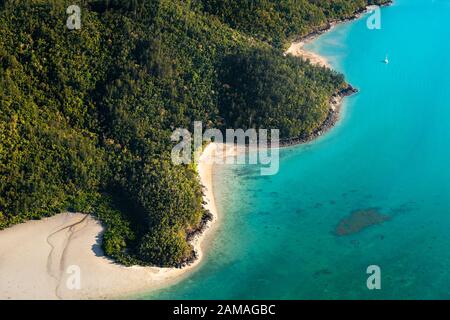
<point x="276" y="21"/>
<point x="86" y="115"/>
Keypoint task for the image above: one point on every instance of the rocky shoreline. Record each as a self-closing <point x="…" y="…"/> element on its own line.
<point x="330" y="121"/>
<point x="207" y="218"/>
<point x="337" y="99"/>
<point x="327" y="27"/>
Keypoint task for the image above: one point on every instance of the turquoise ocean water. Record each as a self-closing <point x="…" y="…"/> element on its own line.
<point x="390" y="151"/>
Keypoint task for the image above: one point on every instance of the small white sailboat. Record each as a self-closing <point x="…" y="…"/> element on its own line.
<point x="386" y="60"/>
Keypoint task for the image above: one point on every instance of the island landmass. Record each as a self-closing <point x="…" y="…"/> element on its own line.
<point x="87" y="115"/>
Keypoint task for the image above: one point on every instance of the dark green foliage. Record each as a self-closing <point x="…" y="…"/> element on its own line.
<point x="86" y="115"/>
<point x="277" y="20"/>
<point x="167" y="246"/>
<point x="262" y="88"/>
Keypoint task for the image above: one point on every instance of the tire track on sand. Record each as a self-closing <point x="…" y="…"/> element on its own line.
<point x="68" y="232"/>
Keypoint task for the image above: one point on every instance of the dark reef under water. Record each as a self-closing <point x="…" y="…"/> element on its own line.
<point x="359" y="220"/>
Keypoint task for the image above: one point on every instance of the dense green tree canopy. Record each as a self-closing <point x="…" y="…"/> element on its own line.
<point x="86" y="115"/>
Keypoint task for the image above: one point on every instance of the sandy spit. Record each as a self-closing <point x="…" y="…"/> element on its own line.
<point x="42" y="259"/>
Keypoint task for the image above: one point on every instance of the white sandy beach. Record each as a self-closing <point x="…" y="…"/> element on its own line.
<point x="37" y="256"/>
<point x="297" y="47"/>
<point x="297" y="50"/>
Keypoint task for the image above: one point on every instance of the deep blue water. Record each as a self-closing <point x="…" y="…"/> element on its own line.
<point x="390" y="151"/>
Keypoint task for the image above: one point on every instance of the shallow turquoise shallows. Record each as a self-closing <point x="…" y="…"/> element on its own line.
<point x="390" y="151"/>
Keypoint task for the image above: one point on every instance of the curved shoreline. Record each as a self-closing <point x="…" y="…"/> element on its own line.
<point x="296" y="49"/>
<point x="336" y="101"/>
<point x="39" y="258"/>
<point x="29" y="261"/>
